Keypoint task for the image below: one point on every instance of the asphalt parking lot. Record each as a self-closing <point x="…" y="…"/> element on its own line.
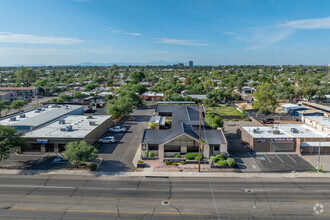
<point x="119" y="156"/>
<point x="281" y="163"/>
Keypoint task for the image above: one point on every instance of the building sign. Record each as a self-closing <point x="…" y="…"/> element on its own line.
<point x="262" y="140"/>
<point x="282" y="140"/>
<point x="40" y="141"/>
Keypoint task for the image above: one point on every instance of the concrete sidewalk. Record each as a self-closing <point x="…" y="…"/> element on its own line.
<point x="165" y="174"/>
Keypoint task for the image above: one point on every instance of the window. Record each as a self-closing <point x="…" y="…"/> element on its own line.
<point x="216" y="148"/>
<point x="153" y="147"/>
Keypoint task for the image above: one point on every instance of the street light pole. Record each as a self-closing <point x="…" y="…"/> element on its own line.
<point x="319" y="154"/>
<point x="199" y="140"/>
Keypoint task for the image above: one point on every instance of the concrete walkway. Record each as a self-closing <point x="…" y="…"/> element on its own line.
<point x="164" y="174"/>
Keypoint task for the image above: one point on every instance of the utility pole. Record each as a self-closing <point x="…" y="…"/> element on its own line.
<point x="199" y="141"/>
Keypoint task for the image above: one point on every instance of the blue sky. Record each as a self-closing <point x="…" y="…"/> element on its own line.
<point x="210" y="32"/>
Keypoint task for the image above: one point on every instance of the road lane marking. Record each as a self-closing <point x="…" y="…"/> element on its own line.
<point x="113" y="212"/>
<point x="102" y="198"/>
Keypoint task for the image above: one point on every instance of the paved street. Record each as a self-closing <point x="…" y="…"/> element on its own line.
<point x="118" y="157"/>
<point x="49" y="197"/>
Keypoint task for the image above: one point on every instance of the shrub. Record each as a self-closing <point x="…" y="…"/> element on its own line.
<point x="93" y="167"/>
<point x="191" y="156"/>
<point x="182" y="162"/>
<point x="151" y="154"/>
<point x="140" y="162"/>
<point x="196" y="158"/>
<point x="230" y="161"/>
<point x="168" y="162"/>
<point x="220" y="157"/>
<point x="213" y="159"/>
<point x="18" y="151"/>
<point x="176" y="155"/>
<point x="222" y="163"/>
<point x="174" y="164"/>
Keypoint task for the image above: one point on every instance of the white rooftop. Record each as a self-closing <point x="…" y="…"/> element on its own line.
<point x="302" y="131"/>
<point x="80" y="127"/>
<point x="322" y="120"/>
<point x="37" y="118"/>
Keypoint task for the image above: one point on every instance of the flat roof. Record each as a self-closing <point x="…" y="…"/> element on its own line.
<point x="46" y="114"/>
<point x="80" y="127"/>
<point x="322" y="120"/>
<point x="18" y="88"/>
<point x="303" y="131"/>
<point x="318" y="106"/>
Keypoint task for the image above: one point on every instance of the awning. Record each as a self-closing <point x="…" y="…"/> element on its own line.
<point x="315" y="144"/>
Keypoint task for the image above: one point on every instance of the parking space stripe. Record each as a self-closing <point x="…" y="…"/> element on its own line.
<point x="267" y="158"/>
<point x="279" y="158"/>
<point x="291" y="158"/>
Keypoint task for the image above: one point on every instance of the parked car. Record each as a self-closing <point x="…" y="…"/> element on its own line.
<point x="268" y="121"/>
<point x="117" y="129"/>
<point x="107" y="140"/>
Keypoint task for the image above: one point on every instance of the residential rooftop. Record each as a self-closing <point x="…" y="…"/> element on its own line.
<point x="80" y="127"/>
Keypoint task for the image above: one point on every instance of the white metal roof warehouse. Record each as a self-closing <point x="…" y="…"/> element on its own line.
<point x="32" y="119"/>
<point x="54" y="136"/>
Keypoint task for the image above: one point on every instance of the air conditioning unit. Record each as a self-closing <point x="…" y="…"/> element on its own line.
<point x="37" y="111"/>
<point x="62" y="129"/>
<point x="256" y="130"/>
<point x="89" y="116"/>
<point x="294" y="130"/>
<point x="22" y="115"/>
<point x="61" y="122"/>
<point x="92" y="123"/>
<point x="69" y="128"/>
<point x="276" y="132"/>
<point x="12" y="119"/>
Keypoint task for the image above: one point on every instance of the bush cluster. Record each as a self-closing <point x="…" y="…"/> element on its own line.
<point x="176" y="155"/>
<point x="93" y="167"/>
<point x="191" y="156"/>
<point x="168" y="163"/>
<point x="222" y="163"/>
<point x="230" y="161"/>
<point x="151" y="154"/>
<point x="174" y="164"/>
<point x="140" y="162"/>
<point x="182" y="162"/>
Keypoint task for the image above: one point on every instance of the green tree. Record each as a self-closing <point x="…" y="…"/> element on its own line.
<point x="9" y="140"/>
<point x="79" y="152"/>
<point x="265" y="98"/>
<point x="213" y="120"/>
<point x="4" y="105"/>
<point x="137" y="76"/>
<point x="78" y="95"/>
<point x="25" y="76"/>
<point x="91" y="86"/>
<point x="18" y="104"/>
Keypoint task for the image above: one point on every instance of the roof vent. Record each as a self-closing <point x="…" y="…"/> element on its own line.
<point x="294" y="130"/>
<point x="256" y="130"/>
<point x="61" y="122"/>
<point x="63" y="129"/>
<point x="89" y="116"/>
<point x="276" y="132"/>
<point x="92" y="123"/>
<point x="12" y="119"/>
<point x="37" y="111"/>
<point x="22" y="115"/>
<point x="69" y="128"/>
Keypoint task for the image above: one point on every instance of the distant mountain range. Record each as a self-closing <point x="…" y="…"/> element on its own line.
<point x="155" y="63"/>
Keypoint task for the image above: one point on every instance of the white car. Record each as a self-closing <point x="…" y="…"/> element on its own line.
<point x="117" y="129"/>
<point x="107" y="140"/>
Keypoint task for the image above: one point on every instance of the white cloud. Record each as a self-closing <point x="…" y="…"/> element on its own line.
<point x="180" y="42"/>
<point x="309" y="24"/>
<point x="117" y="31"/>
<point x="6" y="37"/>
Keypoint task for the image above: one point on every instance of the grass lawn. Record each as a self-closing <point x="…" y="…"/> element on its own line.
<point x="223" y="110"/>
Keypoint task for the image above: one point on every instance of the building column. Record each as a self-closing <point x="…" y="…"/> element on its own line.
<point x="56" y="149"/>
<point x="161" y="151"/>
<point x="206" y="151"/>
<point x="43" y="148"/>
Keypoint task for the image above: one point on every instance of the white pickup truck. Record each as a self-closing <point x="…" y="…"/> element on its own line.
<point x="117" y="129"/>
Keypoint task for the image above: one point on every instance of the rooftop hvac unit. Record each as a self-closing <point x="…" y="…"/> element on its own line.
<point x="61" y="122"/>
<point x="92" y="123"/>
<point x="69" y="128"/>
<point x="276" y="132"/>
<point x="53" y="105"/>
<point x="43" y="109"/>
<point x="12" y="119"/>
<point x="22" y="115"/>
<point x="294" y="130"/>
<point x="89" y="116"/>
<point x="256" y="130"/>
<point x="45" y="106"/>
<point x="62" y="129"/>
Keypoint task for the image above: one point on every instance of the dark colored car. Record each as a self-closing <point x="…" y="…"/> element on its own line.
<point x="268" y="121"/>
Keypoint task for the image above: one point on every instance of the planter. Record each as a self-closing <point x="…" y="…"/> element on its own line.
<point x="178" y="160"/>
<point x="140" y="165"/>
<point x="214" y="165"/>
<point x="196" y="162"/>
<point x="149" y="158"/>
